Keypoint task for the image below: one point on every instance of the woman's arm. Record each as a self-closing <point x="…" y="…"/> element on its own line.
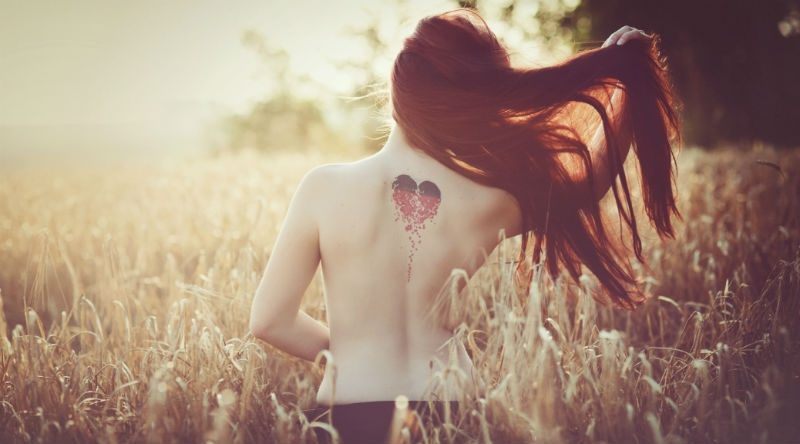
<point x="604" y="174"/>
<point x="302" y="336"/>
<point x="275" y="316"/>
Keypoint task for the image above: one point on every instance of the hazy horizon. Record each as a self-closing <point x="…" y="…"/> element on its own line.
<point x="119" y="78"/>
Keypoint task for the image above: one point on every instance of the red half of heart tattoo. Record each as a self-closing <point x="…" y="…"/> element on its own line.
<point x="414" y="205"/>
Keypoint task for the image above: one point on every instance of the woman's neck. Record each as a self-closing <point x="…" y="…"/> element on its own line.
<point x="397" y="145"/>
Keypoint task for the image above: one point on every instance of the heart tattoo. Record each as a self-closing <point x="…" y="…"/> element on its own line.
<point x="415" y="205"/>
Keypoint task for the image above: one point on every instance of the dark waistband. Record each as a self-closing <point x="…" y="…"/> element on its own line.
<point x="370" y="421"/>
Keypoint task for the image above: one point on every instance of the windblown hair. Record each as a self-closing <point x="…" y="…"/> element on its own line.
<point x="457" y="97"/>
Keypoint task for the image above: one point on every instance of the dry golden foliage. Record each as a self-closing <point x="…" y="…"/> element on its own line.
<point x="125" y="297"/>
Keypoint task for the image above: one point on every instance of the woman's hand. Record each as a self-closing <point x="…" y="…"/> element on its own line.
<point x="624" y="34"/>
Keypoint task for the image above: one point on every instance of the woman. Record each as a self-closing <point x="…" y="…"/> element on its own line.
<point x="480" y="150"/>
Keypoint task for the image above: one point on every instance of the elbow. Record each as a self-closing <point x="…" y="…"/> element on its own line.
<point x="270" y="328"/>
<point x="258" y="329"/>
<point x="262" y="329"/>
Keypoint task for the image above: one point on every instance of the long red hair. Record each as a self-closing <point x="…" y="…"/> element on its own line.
<point x="457" y="97"/>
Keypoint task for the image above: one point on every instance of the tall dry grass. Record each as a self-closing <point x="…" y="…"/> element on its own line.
<point x="126" y="293"/>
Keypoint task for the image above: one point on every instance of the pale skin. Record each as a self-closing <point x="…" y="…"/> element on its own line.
<point x="342" y="218"/>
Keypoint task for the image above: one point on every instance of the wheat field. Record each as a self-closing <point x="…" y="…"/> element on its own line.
<point x="125" y="297"/>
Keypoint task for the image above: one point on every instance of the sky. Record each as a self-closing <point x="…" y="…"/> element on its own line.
<point x="149" y="76"/>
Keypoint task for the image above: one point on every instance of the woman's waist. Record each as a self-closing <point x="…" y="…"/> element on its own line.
<point x="365" y="409"/>
<point x="381" y="376"/>
<point x="403" y="365"/>
<point x="398" y="353"/>
<point x="347" y="383"/>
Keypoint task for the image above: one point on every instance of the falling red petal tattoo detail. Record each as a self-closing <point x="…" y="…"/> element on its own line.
<point x="414" y="205"/>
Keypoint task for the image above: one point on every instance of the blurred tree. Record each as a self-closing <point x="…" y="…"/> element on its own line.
<point x="282" y="120"/>
<point x="531" y="29"/>
<point x="372" y="83"/>
<point x="735" y="63"/>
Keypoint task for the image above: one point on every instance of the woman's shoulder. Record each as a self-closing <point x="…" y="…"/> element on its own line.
<point x="316" y="183"/>
<point x="336" y="179"/>
<point x="325" y="176"/>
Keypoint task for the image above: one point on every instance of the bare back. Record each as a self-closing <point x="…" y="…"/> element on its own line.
<point x="392" y="227"/>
